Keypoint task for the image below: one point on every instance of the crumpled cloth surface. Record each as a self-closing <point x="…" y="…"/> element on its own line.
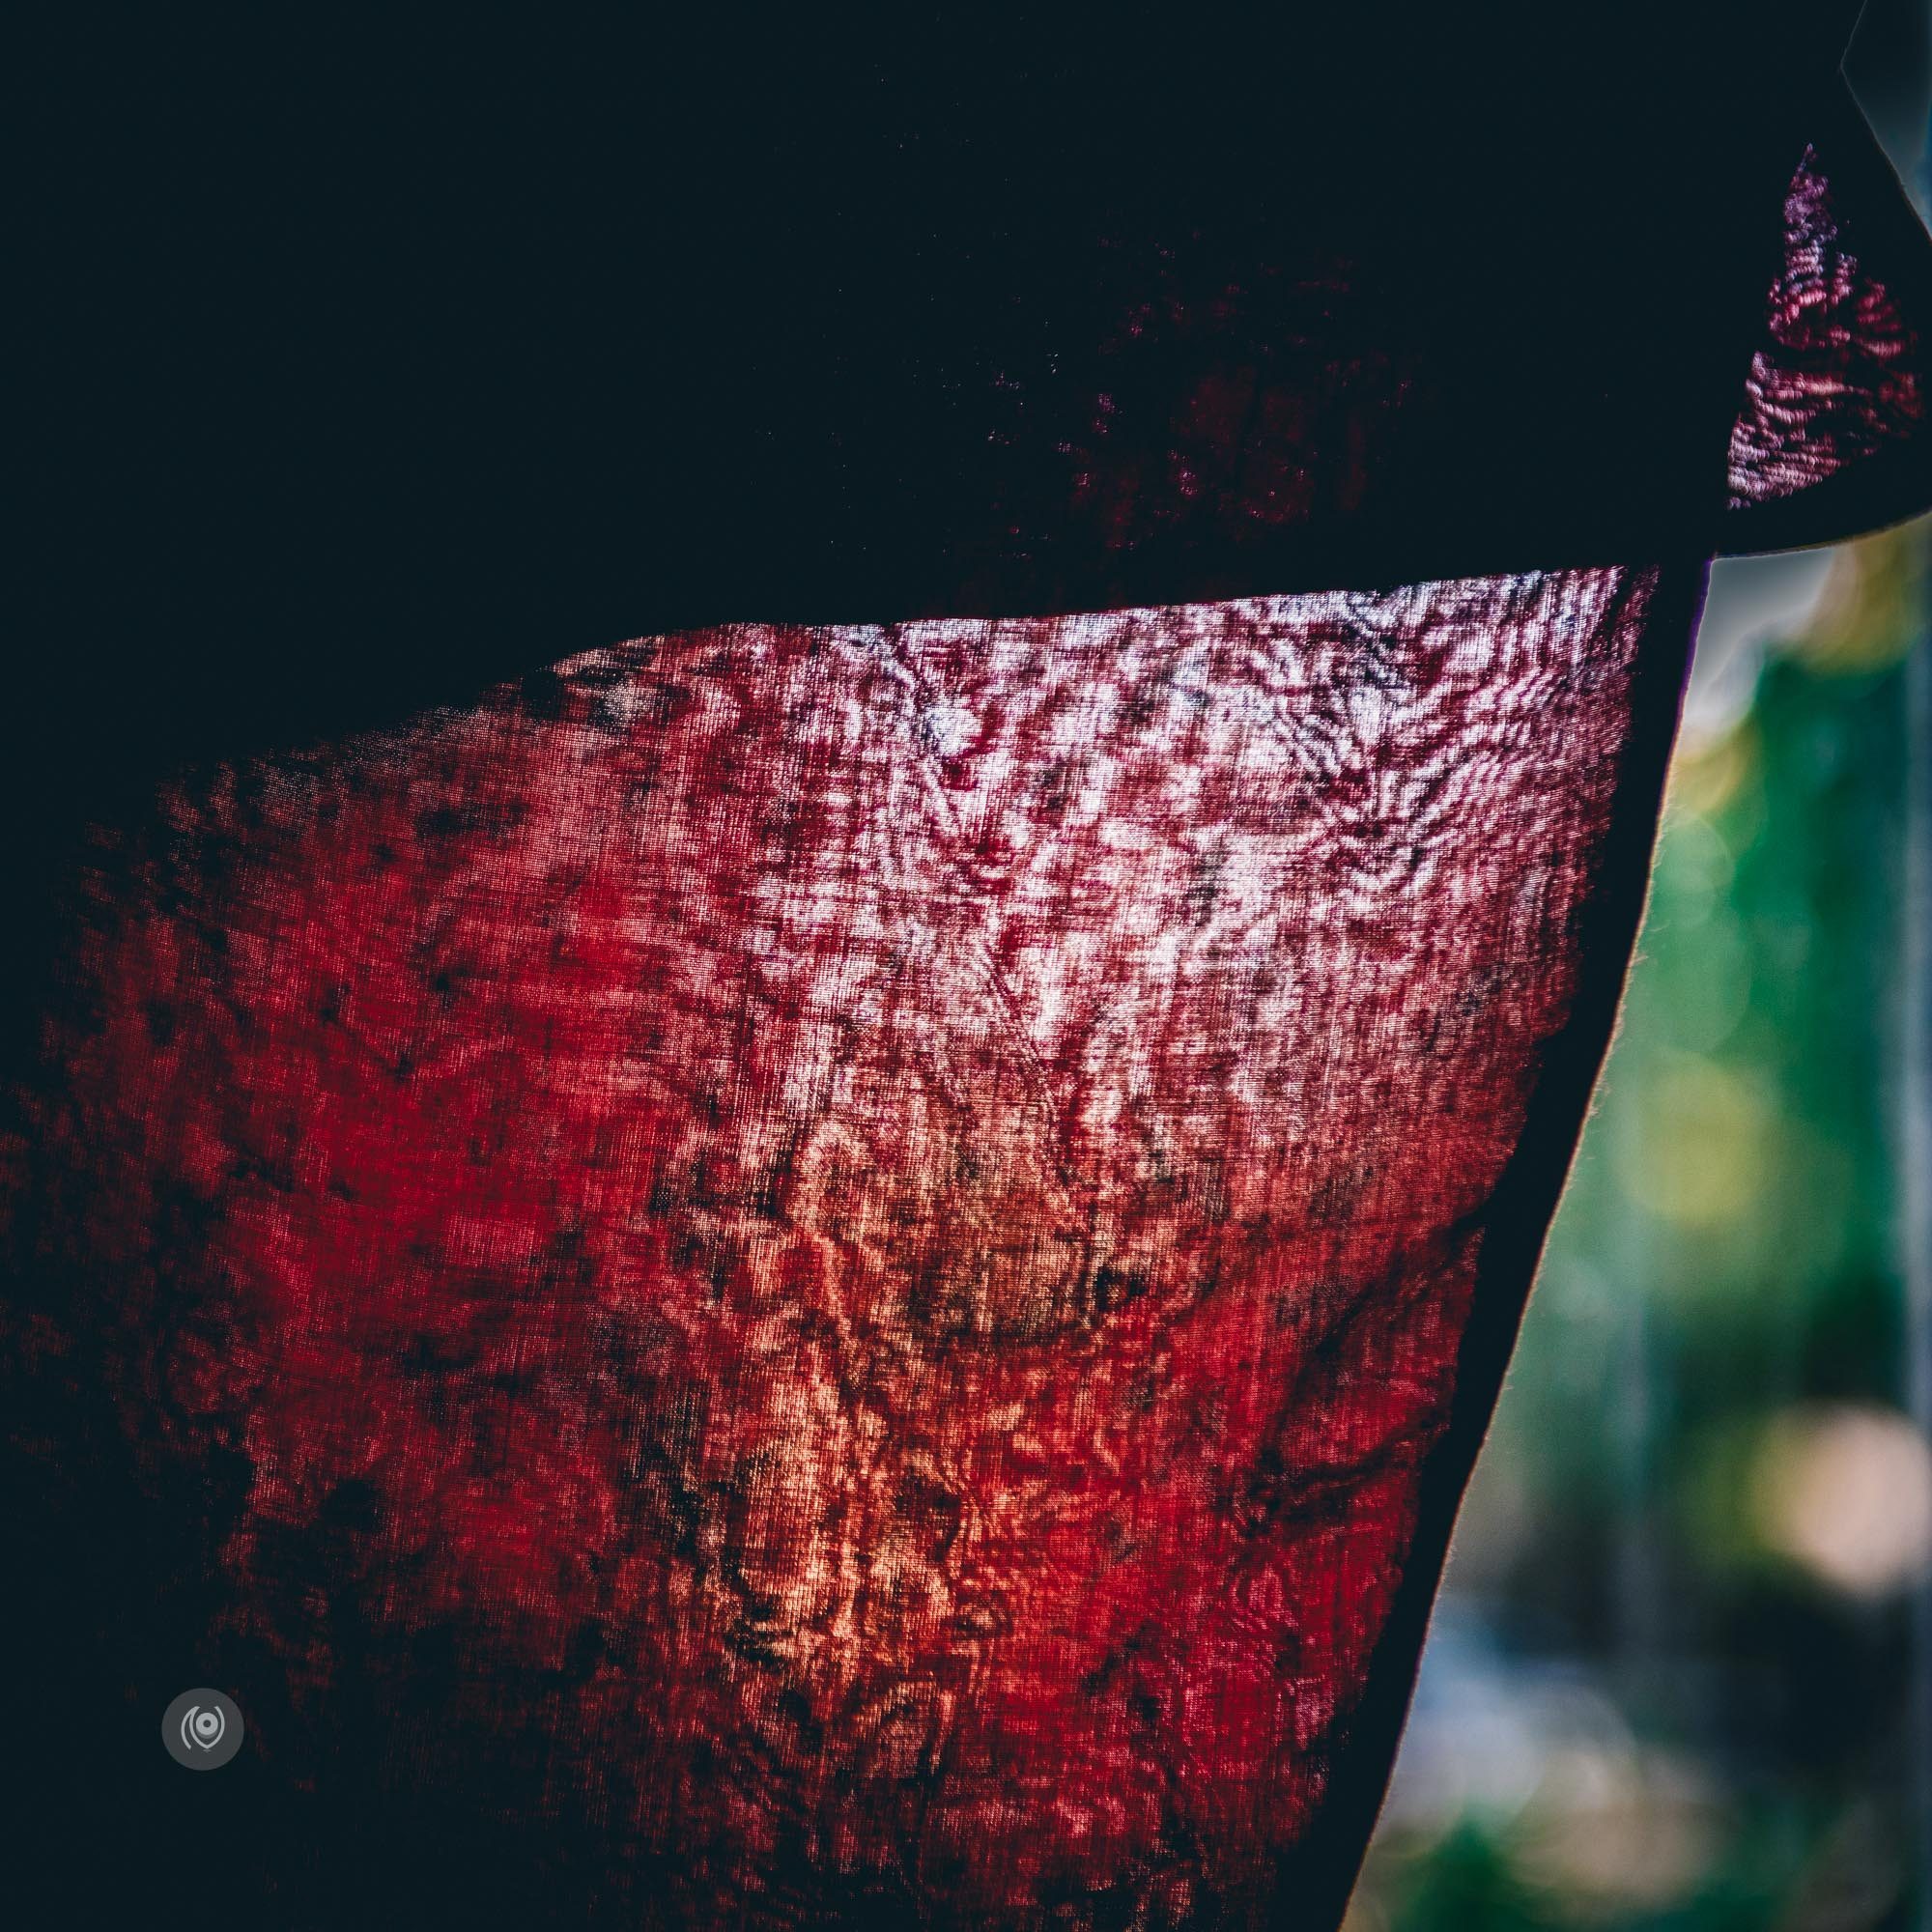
<point x="816" y="1274"/>
<point x="890" y="1211"/>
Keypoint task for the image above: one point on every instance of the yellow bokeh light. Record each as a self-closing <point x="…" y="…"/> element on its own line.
<point x="1700" y="1153"/>
<point x="1846" y="1491"/>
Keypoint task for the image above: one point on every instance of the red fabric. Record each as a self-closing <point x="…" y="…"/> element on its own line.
<point x="865" y="1234"/>
<point x="911" y="1191"/>
<point x="1840" y="377"/>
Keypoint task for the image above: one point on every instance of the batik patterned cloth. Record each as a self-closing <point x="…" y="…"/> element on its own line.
<point x="826" y="1274"/>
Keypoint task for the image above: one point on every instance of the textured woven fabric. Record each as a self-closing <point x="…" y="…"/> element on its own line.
<point x="796" y="1275"/>
<point x="1840" y="377"/>
<point x="889" y="1211"/>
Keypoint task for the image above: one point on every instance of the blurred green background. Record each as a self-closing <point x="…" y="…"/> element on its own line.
<point x="1672" y="1679"/>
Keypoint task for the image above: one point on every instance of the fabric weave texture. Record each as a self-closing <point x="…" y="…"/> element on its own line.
<point x="825" y="1273"/>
